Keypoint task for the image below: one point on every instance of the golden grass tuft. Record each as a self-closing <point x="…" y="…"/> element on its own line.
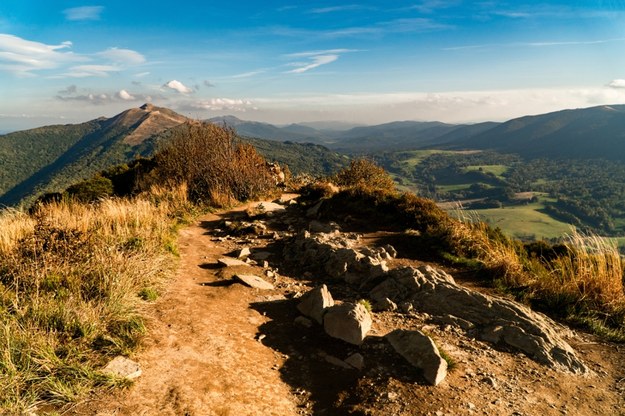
<point x="73" y="279"/>
<point x="591" y="271"/>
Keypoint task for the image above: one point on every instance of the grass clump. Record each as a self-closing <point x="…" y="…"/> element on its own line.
<point x="366" y="304"/>
<point x="69" y="278"/>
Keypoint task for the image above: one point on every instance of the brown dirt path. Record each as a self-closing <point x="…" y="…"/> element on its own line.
<point x="202" y="356"/>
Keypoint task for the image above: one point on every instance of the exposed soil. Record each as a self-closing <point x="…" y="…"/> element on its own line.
<point x="216" y="347"/>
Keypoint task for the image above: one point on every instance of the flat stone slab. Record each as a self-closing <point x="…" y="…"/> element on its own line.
<point x="123" y="367"/>
<point x="230" y="262"/>
<point x="254" y="281"/>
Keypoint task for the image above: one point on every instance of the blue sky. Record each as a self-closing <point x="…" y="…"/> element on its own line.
<point x="285" y="61"/>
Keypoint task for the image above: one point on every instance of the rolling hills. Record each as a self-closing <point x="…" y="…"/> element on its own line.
<point x="586" y="133"/>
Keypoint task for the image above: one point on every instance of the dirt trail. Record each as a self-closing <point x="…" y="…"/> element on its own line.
<point x="219" y="348"/>
<point x="202" y="356"/>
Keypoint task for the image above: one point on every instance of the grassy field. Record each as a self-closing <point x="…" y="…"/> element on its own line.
<point x="524" y="221"/>
<point x="497" y="170"/>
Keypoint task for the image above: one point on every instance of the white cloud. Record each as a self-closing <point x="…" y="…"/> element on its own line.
<point x="221" y="104"/>
<point x="82" y="71"/>
<point x="142" y="74"/>
<point x="317" y="61"/>
<point x="122" y="56"/>
<point x="333" y="9"/>
<point x="617" y="83"/>
<point x="247" y="74"/>
<point x="323" y="52"/>
<point x="125" y="95"/>
<point x="22" y="56"/>
<point x="178" y="86"/>
<point x="97" y="99"/>
<point x="25" y="57"/>
<point x="83" y="13"/>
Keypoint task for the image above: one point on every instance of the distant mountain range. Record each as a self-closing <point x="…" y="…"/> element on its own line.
<point x="51" y="158"/>
<point x="588" y="133"/>
<point x="595" y="132"/>
<point x="398" y="135"/>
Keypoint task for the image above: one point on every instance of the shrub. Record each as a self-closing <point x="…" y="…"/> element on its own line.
<point x="91" y="189"/>
<point x="217" y="168"/>
<point x="365" y="173"/>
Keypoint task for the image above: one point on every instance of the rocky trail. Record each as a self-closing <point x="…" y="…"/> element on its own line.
<point x="217" y="346"/>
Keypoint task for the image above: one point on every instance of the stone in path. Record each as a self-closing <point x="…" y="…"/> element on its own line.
<point x="254" y="281"/>
<point x="420" y="351"/>
<point x="349" y="321"/>
<point x="230" y="262"/>
<point x="315" y="303"/>
<point x="123" y="367"/>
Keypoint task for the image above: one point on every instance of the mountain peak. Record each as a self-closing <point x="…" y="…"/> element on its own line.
<point x="147" y="107"/>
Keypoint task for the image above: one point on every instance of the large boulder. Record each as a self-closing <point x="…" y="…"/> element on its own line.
<point x="315" y="303"/>
<point x="349" y="321"/>
<point x="420" y="351"/>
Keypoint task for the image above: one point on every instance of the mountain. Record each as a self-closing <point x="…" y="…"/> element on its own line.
<point x="398" y="135"/>
<point x="587" y="133"/>
<point x="346" y="138"/>
<point x="260" y="130"/>
<point x="49" y="159"/>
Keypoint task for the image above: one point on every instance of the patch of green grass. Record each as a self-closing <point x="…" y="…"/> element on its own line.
<point x="454" y="187"/>
<point x="524" y="221"/>
<point x="149" y="294"/>
<point x="497" y="170"/>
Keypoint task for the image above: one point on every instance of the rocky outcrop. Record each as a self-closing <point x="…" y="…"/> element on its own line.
<point x="435" y="292"/>
<point x="420" y="351"/>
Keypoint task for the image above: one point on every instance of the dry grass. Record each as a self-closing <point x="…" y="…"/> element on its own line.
<point x="591" y="272"/>
<point x="72" y="279"/>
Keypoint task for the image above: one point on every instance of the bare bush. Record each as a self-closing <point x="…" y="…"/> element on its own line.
<point x="217" y="167"/>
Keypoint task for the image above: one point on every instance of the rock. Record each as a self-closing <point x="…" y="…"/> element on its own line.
<point x="420" y="351"/>
<point x="123" y="367"/>
<point x="230" y="262"/>
<point x="500" y="321"/>
<point x="315" y="303"/>
<point x="244" y="253"/>
<point x="349" y="321"/>
<point x="388" y="289"/>
<point x="337" y="362"/>
<point x="406" y="307"/>
<point x="322" y="227"/>
<point x="254" y="281"/>
<point x="385" y="305"/>
<point x="434" y="292"/>
<point x="303" y="321"/>
<point x="313" y="211"/>
<point x="356" y="360"/>
<point x="267" y="208"/>
<point x="260" y="255"/>
<point x="391" y="250"/>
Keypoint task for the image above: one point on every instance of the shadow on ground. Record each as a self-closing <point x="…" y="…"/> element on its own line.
<point x="328" y="389"/>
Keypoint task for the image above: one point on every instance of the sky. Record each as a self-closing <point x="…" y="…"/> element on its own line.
<point x="364" y="62"/>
